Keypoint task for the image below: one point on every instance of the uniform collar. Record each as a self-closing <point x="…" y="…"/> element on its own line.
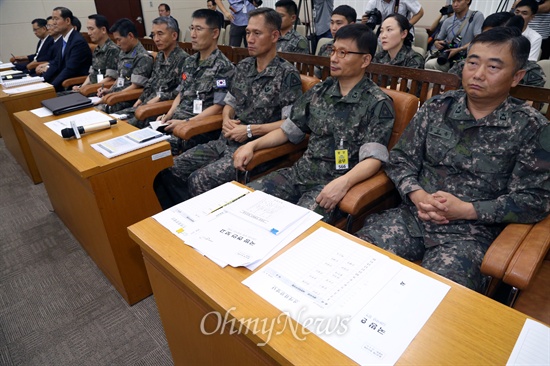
<point x="500" y="117"/>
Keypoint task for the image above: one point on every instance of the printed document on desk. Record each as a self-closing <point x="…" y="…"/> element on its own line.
<point x="132" y="141"/>
<point x="532" y="346"/>
<point x="358" y="300"/>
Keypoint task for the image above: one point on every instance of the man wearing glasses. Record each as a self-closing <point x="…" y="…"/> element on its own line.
<point x="349" y="120"/>
<point x="42" y="48"/>
<point x="203" y="81"/>
<point x="260" y="96"/>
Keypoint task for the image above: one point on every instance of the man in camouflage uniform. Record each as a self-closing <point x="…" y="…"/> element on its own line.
<point x="262" y="92"/>
<point x="346" y="115"/>
<point x="207" y="73"/>
<point x="134" y="63"/>
<point x="290" y="40"/>
<point x="470" y="162"/>
<point x="534" y="75"/>
<point x="105" y="55"/>
<point x="166" y="69"/>
<point x="341" y="16"/>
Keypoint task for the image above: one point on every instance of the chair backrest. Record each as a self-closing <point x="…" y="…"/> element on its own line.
<point x="539" y="96"/>
<point x="419" y="82"/>
<point x="226" y="35"/>
<point x="420" y="50"/>
<point x="92" y="46"/>
<point x="306" y="63"/>
<point x="421" y="39"/>
<point x="187" y="47"/>
<point x="239" y="54"/>
<point x="405" y="106"/>
<point x="301" y="29"/>
<point x="322" y="42"/>
<point x="308" y="82"/>
<point x="148" y="44"/>
<point x="545" y="65"/>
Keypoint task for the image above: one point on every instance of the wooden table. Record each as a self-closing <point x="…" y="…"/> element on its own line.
<point x="466" y="329"/>
<point x="14" y="137"/>
<point x="97" y="198"/>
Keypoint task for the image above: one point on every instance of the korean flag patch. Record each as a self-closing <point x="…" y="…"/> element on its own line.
<point x="220" y="83"/>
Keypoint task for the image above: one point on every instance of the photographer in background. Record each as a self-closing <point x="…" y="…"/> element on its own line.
<point x="444" y="13"/>
<point x="410" y="9"/>
<point x="238" y="15"/>
<point x="456" y="34"/>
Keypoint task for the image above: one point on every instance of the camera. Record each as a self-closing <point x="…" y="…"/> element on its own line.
<point x="374" y="18"/>
<point x="443" y="57"/>
<point x="446" y="10"/>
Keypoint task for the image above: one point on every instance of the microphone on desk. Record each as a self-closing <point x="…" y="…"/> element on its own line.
<point x="69" y="132"/>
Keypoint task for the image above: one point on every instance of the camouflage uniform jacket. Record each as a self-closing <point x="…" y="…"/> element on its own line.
<point x="500" y="163"/>
<point x="360" y="122"/>
<point x="211" y="78"/>
<point x="104" y="61"/>
<point x="165" y="77"/>
<point x="534" y="75"/>
<point x="324" y="51"/>
<point x="292" y="41"/>
<point x="406" y="57"/>
<point x="261" y="97"/>
<point x="134" y="67"/>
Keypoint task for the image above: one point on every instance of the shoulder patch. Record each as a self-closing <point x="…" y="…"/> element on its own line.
<point x="292" y="80"/>
<point x="385" y="111"/>
<point x="544" y="138"/>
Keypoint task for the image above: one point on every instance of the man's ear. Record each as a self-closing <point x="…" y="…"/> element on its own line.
<point x="518" y="76"/>
<point x="366" y="60"/>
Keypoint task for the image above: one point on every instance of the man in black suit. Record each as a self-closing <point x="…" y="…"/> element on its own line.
<point x="75" y="57"/>
<point x="42" y="48"/>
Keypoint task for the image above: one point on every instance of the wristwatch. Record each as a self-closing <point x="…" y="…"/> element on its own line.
<point x="249" y="131"/>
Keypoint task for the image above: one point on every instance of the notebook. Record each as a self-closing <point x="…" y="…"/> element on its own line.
<point x="23" y="81"/>
<point x="67" y="103"/>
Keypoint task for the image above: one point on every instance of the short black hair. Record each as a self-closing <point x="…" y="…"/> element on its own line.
<point x="403" y="24"/>
<point x="516" y="21"/>
<point x="289" y="5"/>
<point x="211" y="1"/>
<point x="170" y="23"/>
<point x="519" y="45"/>
<point x="166" y="6"/>
<point x="124" y="27"/>
<point x="76" y="23"/>
<point x="364" y="37"/>
<point x="496" y="19"/>
<point x="530" y="3"/>
<point x="65" y="13"/>
<point x="100" y="21"/>
<point x="271" y="17"/>
<point x="347" y="12"/>
<point x="210" y="16"/>
<point x="41" y="22"/>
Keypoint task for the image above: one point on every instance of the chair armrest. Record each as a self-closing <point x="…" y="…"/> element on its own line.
<point x="198" y="126"/>
<point x="528" y="258"/>
<point x="92" y="88"/>
<point x="265" y="155"/>
<point x="366" y="192"/>
<point x="500" y="253"/>
<point x="73" y="81"/>
<point x="122" y="96"/>
<point x="151" y="110"/>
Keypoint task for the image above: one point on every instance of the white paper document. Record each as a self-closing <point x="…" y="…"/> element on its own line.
<point x="134" y="140"/>
<point x="7" y="65"/>
<point x="532" y="346"/>
<point x="81" y="119"/>
<point x="42" y="112"/>
<point x="208" y="224"/>
<point x="361" y="302"/>
<point x="26" y="88"/>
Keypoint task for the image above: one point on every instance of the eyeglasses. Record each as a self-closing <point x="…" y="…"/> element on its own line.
<point x="341" y="53"/>
<point x="198" y="28"/>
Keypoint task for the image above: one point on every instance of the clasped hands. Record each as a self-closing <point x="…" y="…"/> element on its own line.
<point x="232" y="129"/>
<point x="441" y="207"/>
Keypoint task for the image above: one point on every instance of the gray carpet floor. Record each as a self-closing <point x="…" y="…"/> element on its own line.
<point x="56" y="307"/>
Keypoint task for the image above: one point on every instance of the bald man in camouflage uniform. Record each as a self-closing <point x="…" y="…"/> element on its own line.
<point x="262" y="92"/>
<point x="470" y="162"/>
<point x="357" y="122"/>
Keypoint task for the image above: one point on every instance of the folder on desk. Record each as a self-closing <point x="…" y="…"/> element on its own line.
<point x="67" y="103"/>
